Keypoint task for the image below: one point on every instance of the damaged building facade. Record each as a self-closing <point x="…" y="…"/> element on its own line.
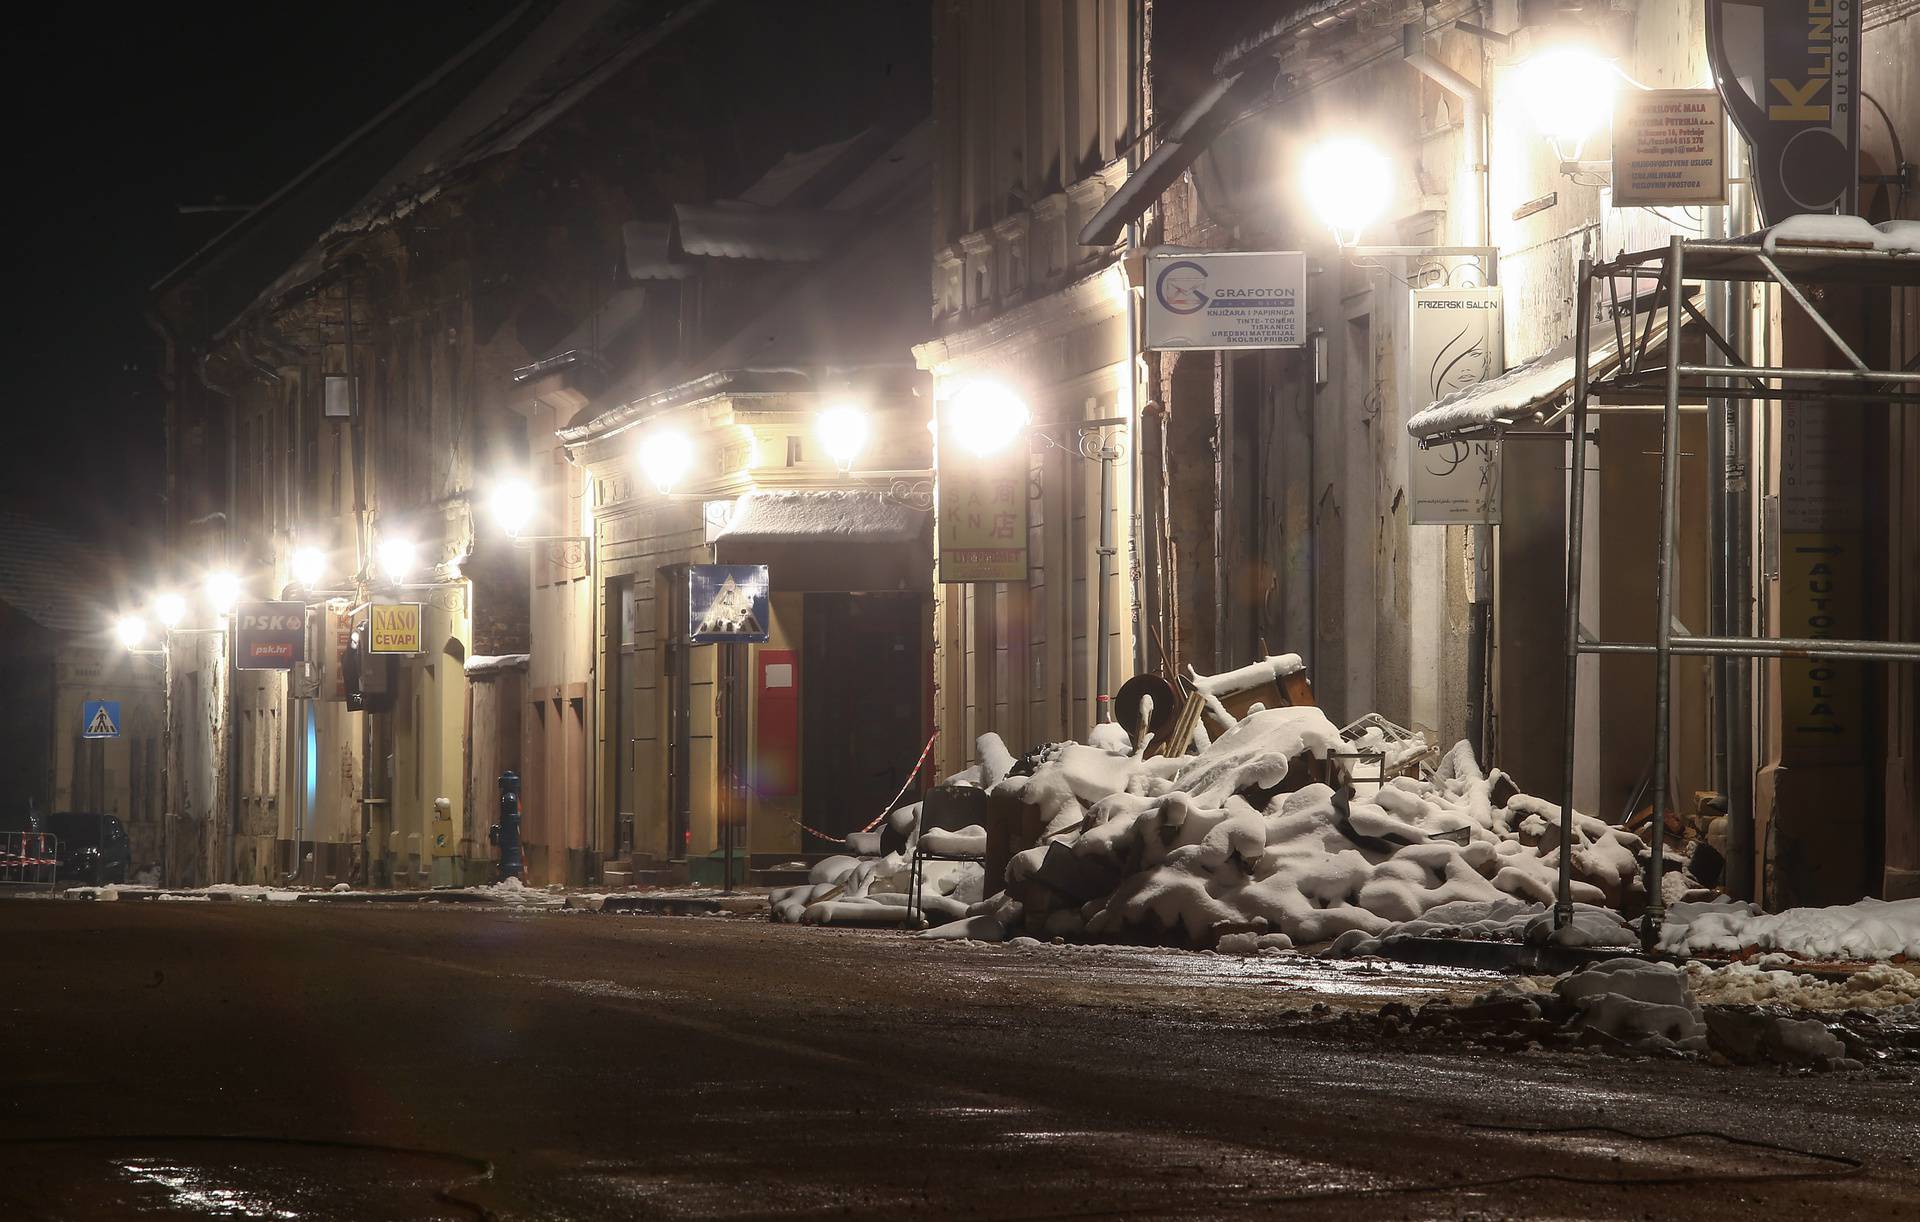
<point x="584" y="287"/>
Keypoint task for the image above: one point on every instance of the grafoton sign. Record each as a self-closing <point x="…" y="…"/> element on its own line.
<point x="1789" y="72"/>
<point x="271" y="636"/>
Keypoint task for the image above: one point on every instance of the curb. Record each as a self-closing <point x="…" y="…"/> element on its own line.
<point x="672" y="905"/>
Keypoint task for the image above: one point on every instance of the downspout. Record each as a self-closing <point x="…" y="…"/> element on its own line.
<point x="1473" y="122"/>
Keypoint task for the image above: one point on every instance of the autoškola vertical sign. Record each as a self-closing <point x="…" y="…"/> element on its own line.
<point x="1789" y="72"/>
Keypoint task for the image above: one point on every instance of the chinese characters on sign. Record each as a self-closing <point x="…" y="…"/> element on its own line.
<point x="1455" y="342"/>
<point x="1226" y="299"/>
<point x="1669" y="147"/>
<point x="982" y="511"/>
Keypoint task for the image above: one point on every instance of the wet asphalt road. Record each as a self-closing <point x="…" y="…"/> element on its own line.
<point x="304" y="1061"/>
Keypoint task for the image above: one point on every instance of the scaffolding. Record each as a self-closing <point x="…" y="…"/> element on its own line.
<point x="1632" y="381"/>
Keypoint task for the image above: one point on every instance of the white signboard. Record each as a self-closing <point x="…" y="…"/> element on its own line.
<point x="1227" y="299"/>
<point x="1669" y="147"/>
<point x="1455" y="343"/>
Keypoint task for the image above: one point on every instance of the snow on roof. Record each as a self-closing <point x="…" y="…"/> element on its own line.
<point x="1513" y="394"/>
<point x="487" y="664"/>
<point x="732" y="230"/>
<point x="824" y="515"/>
<point x="646" y="246"/>
<point x="1822" y="229"/>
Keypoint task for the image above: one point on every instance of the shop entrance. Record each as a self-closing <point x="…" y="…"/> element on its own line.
<point x="863" y="707"/>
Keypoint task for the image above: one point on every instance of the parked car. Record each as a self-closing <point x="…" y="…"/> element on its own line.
<point x="93" y="848"/>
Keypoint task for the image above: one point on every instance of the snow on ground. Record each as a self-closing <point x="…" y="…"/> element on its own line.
<point x="510" y="891"/>
<point x="1869" y="929"/>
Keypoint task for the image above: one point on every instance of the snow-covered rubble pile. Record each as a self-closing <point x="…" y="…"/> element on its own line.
<point x="871" y="889"/>
<point x="1869" y="929"/>
<point x="1235" y="840"/>
<point x="1883" y="986"/>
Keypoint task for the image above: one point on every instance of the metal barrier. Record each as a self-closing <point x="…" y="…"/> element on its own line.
<point x="29" y="859"/>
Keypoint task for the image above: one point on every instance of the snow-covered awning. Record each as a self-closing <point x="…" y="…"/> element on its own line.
<point x="826" y="515"/>
<point x="733" y="230"/>
<point x="1517" y="394"/>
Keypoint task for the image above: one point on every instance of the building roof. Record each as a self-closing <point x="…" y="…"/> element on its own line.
<point x="45" y="576"/>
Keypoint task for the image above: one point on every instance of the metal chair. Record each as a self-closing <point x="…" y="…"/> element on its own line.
<point x="945" y="808"/>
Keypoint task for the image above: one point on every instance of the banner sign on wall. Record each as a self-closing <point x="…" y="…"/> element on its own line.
<point x="1454" y="341"/>
<point x="272" y="636"/>
<point x="394" y="628"/>
<point x="1789" y="72"/>
<point x="980" y="509"/>
<point x="1227" y="299"/>
<point x="1669" y="147"/>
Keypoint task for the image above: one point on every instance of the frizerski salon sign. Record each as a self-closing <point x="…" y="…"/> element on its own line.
<point x="1454" y="343"/>
<point x="1789" y="72"/>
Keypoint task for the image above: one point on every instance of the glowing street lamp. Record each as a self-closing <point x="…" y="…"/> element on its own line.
<point x="223" y="590"/>
<point x="843" y="432"/>
<point x="1348" y="183"/>
<point x="985" y="417"/>
<point x="397" y="556"/>
<point x="1569" y="93"/>
<point x="309" y="566"/>
<point x="169" y="608"/>
<point x="512" y="504"/>
<point x="665" y="457"/>
<point x="131" y="630"/>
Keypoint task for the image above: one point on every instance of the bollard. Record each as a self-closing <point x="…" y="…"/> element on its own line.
<point x="506" y="833"/>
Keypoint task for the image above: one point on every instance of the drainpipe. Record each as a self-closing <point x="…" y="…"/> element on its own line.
<point x="1473" y="122"/>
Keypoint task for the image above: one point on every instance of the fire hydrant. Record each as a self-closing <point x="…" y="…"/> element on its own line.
<point x="506" y="833"/>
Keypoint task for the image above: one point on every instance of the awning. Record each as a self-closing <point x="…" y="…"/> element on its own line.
<point x="733" y="230"/>
<point x="1537" y="391"/>
<point x="1181" y="143"/>
<point x="826" y="540"/>
<point x="646" y="245"/>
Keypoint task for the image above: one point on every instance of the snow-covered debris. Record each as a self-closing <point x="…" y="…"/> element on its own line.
<point x="1883" y="986"/>
<point x="1244" y="837"/>
<point x="1868" y="929"/>
<point x="1635" y="1001"/>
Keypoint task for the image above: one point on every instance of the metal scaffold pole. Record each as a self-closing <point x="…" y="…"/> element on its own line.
<point x="1576" y="510"/>
<point x="1663" y="597"/>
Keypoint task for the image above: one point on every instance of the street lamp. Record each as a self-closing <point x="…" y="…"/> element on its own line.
<point x="665" y="456"/>
<point x="843" y="430"/>
<point x="131" y="630"/>
<point x="223" y="590"/>
<point x="512" y="504"/>
<point x="1348" y="183"/>
<point x="1568" y="91"/>
<point x="985" y="417"/>
<point x="169" y="608"/>
<point x="397" y="556"/>
<point x="309" y="566"/>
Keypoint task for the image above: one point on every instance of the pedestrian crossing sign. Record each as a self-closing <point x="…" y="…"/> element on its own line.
<point x="100" y="719"/>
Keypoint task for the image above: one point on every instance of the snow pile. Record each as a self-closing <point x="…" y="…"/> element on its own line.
<point x="1635" y="1002"/>
<point x="1824" y="229"/>
<point x="1235" y="841"/>
<point x="1869" y="929"/>
<point x="1510" y="920"/>
<point x="872" y="889"/>
<point x="1884" y="986"/>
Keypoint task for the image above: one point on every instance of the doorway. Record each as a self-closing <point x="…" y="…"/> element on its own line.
<point x="864" y="700"/>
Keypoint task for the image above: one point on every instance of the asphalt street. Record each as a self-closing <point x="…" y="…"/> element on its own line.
<point x="334" y="1061"/>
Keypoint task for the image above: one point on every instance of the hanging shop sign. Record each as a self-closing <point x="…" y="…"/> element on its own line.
<point x="1454" y="342"/>
<point x="980" y="510"/>
<point x="1227" y="299"/>
<point x="394" y="628"/>
<point x="271" y="636"/>
<point x="1789" y="72"/>
<point x="727" y="603"/>
<point x="1669" y="148"/>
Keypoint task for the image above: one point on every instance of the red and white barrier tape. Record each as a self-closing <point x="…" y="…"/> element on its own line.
<point x="917" y="766"/>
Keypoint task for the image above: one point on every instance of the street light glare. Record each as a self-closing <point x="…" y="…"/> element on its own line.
<point x="1568" y="91"/>
<point x="397" y="556"/>
<point x="131" y="630"/>
<point x="843" y="432"/>
<point x="309" y="565"/>
<point x="169" y="608"/>
<point x="1348" y="183"/>
<point x="986" y="416"/>
<point x="665" y="456"/>
<point x="512" y="505"/>
<point x="223" y="590"/>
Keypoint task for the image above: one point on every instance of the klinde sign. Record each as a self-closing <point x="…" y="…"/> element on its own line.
<point x="1789" y="72"/>
<point x="271" y="636"/>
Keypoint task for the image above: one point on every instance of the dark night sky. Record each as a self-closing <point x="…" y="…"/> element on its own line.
<point x="120" y="115"/>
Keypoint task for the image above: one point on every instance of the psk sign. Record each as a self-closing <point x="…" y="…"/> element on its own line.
<point x="727" y="603"/>
<point x="1226" y="299"/>
<point x="100" y="719"/>
<point x="272" y="636"/>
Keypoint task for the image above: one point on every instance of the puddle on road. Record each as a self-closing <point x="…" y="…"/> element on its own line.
<point x="1358" y="981"/>
<point x="271" y="1181"/>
